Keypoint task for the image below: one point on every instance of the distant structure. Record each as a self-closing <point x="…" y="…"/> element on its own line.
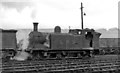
<point x="8" y="39"/>
<point x="81" y="15"/>
<point x="8" y="43"/>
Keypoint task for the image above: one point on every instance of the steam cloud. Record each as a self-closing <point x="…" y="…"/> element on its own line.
<point x="21" y="56"/>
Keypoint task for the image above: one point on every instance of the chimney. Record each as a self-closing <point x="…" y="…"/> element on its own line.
<point x="35" y="26"/>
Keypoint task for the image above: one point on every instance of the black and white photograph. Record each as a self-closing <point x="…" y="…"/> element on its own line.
<point x="59" y="36"/>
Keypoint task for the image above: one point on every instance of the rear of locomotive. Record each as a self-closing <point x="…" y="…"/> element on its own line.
<point x="90" y="40"/>
<point x="8" y="43"/>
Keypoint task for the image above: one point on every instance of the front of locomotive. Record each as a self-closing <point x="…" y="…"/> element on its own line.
<point x="37" y="40"/>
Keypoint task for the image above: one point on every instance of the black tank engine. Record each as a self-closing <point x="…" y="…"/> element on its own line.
<point x="75" y="43"/>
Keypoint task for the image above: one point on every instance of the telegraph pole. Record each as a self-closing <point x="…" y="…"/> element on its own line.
<point x="81" y="15"/>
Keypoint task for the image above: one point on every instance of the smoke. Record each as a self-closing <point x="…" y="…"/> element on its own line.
<point x="16" y="14"/>
<point x="33" y="14"/>
<point x="47" y="43"/>
<point x="21" y="56"/>
<point x="17" y="5"/>
<point x="22" y="39"/>
<point x="25" y="44"/>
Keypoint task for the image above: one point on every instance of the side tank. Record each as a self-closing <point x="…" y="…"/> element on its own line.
<point x="75" y="39"/>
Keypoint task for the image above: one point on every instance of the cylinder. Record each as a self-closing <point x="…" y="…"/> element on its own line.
<point x="35" y="26"/>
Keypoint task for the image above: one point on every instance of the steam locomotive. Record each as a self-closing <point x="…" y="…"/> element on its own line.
<point x="76" y="43"/>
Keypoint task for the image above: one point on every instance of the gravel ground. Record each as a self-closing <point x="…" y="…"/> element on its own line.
<point x="101" y="57"/>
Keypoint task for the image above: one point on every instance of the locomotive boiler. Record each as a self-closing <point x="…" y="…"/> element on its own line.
<point x="76" y="43"/>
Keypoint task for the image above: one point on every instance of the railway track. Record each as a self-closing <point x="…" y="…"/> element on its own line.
<point x="109" y="63"/>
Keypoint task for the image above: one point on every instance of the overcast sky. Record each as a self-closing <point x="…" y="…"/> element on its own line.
<point x="16" y="14"/>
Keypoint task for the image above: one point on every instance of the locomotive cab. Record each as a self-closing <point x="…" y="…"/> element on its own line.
<point x="90" y="37"/>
